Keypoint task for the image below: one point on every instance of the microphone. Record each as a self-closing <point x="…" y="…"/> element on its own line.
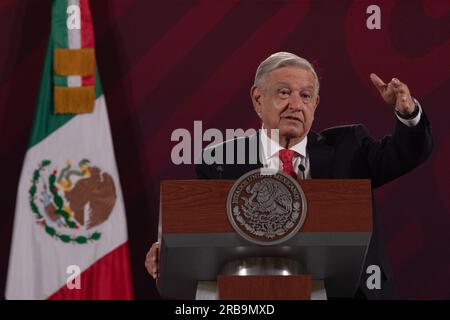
<point x="219" y="170"/>
<point x="301" y="168"/>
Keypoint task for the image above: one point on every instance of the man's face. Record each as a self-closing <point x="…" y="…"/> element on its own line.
<point x="287" y="101"/>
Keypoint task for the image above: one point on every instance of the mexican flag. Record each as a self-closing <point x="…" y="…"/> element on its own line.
<point x="70" y="234"/>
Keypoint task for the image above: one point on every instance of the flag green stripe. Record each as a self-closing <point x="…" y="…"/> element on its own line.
<point x="59" y="33"/>
<point x="45" y="121"/>
<point x="60" y="81"/>
<point x="59" y="24"/>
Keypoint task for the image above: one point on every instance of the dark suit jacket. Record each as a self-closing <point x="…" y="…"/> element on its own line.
<point x="348" y="152"/>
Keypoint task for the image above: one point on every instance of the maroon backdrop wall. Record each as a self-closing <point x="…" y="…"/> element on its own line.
<point x="165" y="64"/>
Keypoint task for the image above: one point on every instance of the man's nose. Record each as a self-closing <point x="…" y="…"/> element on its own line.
<point x="295" y="102"/>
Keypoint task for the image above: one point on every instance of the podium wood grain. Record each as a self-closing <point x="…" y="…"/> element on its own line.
<point x="350" y="199"/>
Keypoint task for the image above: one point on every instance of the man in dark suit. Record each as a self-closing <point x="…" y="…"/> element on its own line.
<point x="285" y="96"/>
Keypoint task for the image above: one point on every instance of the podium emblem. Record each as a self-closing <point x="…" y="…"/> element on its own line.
<point x="266" y="208"/>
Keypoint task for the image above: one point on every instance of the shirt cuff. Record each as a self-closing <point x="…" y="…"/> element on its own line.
<point x="414" y="121"/>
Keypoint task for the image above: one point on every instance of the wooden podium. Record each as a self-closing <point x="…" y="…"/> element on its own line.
<point x="197" y="240"/>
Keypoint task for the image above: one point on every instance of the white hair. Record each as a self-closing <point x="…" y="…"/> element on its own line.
<point x="283" y="59"/>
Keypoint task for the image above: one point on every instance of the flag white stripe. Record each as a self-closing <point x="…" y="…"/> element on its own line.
<point x="74" y="35"/>
<point x="74" y="41"/>
<point x="74" y="81"/>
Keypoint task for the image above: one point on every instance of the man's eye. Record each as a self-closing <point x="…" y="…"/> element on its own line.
<point x="306" y="95"/>
<point x="284" y="92"/>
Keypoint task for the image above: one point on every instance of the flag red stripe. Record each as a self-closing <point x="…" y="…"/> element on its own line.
<point x="109" y="278"/>
<point x="87" y="36"/>
<point x="87" y="32"/>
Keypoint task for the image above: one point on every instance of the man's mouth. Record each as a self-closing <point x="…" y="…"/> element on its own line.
<point x="294" y="118"/>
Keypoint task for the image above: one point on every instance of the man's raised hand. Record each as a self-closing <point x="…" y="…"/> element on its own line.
<point x="395" y="93"/>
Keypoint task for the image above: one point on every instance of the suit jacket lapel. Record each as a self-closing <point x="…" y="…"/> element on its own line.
<point x="259" y="164"/>
<point x="320" y="156"/>
<point x="248" y="166"/>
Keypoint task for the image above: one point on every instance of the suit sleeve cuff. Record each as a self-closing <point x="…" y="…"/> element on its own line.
<point x="414" y="121"/>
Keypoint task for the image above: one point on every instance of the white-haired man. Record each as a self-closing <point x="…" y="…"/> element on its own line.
<point x="285" y="96"/>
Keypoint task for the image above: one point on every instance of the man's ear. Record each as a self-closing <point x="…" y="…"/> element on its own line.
<point x="317" y="102"/>
<point x="255" y="94"/>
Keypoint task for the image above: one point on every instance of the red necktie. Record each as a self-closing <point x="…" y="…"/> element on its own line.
<point x="286" y="157"/>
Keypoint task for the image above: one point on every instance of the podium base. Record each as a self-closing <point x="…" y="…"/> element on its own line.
<point x="207" y="290"/>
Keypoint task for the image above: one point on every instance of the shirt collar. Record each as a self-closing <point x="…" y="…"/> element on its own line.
<point x="271" y="148"/>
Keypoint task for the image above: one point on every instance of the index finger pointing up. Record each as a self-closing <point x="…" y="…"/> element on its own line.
<point x="377" y="82"/>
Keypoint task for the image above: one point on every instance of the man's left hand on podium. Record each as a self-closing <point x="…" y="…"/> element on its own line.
<point x="151" y="260"/>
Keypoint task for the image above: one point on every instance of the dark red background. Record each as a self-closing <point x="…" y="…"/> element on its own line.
<point x="165" y="64"/>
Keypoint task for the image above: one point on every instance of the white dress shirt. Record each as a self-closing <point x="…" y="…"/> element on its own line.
<point x="270" y="159"/>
